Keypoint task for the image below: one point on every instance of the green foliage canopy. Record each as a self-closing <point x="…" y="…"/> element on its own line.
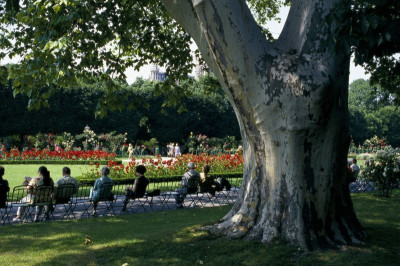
<point x="370" y="29"/>
<point x="61" y="42"/>
<point x="372" y="112"/>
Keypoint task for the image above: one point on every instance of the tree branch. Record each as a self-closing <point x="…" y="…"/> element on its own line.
<point x="305" y="26"/>
<point x="225" y="32"/>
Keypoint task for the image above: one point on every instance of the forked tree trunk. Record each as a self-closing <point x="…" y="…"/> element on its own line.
<point x="291" y="103"/>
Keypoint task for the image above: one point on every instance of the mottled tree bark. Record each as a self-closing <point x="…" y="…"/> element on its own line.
<point x="291" y="103"/>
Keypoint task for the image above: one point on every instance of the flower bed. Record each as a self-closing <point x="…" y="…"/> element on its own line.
<point x="158" y="168"/>
<point x="64" y="162"/>
<point x="45" y="154"/>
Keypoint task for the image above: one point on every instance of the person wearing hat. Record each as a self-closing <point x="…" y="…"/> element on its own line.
<point x="189" y="184"/>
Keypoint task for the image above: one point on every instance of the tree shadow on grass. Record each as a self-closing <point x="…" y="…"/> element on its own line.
<point x="172" y="238"/>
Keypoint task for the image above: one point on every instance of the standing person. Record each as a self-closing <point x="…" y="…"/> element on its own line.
<point x="4" y="188"/>
<point x="177" y="150"/>
<point x="97" y="190"/>
<point x="172" y="149"/>
<point x="189" y="184"/>
<point x="139" y="187"/>
<point x="130" y="151"/>
<point x="43" y="179"/>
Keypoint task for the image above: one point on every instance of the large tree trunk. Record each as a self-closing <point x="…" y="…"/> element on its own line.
<point x="291" y="103"/>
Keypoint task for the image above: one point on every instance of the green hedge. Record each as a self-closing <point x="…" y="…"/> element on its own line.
<point x="64" y="162"/>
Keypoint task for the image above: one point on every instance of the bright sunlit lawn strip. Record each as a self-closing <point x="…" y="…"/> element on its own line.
<point x="15" y="173"/>
<point x="171" y="238"/>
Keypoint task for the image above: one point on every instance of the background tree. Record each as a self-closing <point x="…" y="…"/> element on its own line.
<point x="372" y="111"/>
<point x="290" y="96"/>
<point x="71" y="109"/>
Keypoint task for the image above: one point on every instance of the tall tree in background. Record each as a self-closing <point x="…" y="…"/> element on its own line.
<point x="289" y="96"/>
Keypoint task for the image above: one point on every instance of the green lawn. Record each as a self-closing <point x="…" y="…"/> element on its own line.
<point x="15" y="173"/>
<point x="173" y="238"/>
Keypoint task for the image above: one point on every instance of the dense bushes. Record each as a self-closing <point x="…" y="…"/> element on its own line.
<point x="383" y="171"/>
<point x="72" y="109"/>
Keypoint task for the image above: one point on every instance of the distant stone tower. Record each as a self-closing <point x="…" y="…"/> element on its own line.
<point x="155" y="73"/>
<point x="198" y="69"/>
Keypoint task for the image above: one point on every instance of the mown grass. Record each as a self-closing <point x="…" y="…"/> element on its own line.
<point x="173" y="238"/>
<point x="15" y="173"/>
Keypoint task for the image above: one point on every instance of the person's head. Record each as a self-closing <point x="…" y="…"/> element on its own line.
<point x="191" y="165"/>
<point x="354" y="160"/>
<point x="140" y="169"/>
<point x="43" y="172"/>
<point x="105" y="171"/>
<point x="206" y="168"/>
<point x="1" y="171"/>
<point x="66" y="171"/>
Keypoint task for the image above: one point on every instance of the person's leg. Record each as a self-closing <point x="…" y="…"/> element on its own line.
<point x="49" y="210"/>
<point x="177" y="196"/>
<point x="94" y="213"/>
<point x="20" y="210"/>
<point x="180" y="196"/>
<point x="128" y="195"/>
<point x="38" y="212"/>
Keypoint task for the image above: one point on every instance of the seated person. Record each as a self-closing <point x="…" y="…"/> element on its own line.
<point x="97" y="193"/>
<point x="66" y="194"/>
<point x="207" y="183"/>
<point x="139" y="187"/>
<point x="4" y="188"/>
<point x="222" y="183"/>
<point x="43" y="179"/>
<point x="189" y="184"/>
<point x="355" y="169"/>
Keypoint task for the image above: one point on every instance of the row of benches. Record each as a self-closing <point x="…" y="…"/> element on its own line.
<point x="79" y="205"/>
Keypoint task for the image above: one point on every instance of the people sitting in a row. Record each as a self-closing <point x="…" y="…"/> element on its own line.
<point x="192" y="179"/>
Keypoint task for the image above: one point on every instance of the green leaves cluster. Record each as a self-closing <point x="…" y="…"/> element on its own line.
<point x="373" y="112"/>
<point x="59" y="42"/>
<point x="383" y="171"/>
<point x="370" y="30"/>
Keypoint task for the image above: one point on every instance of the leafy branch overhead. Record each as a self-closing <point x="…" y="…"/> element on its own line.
<point x="60" y="42"/>
<point x="370" y="29"/>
